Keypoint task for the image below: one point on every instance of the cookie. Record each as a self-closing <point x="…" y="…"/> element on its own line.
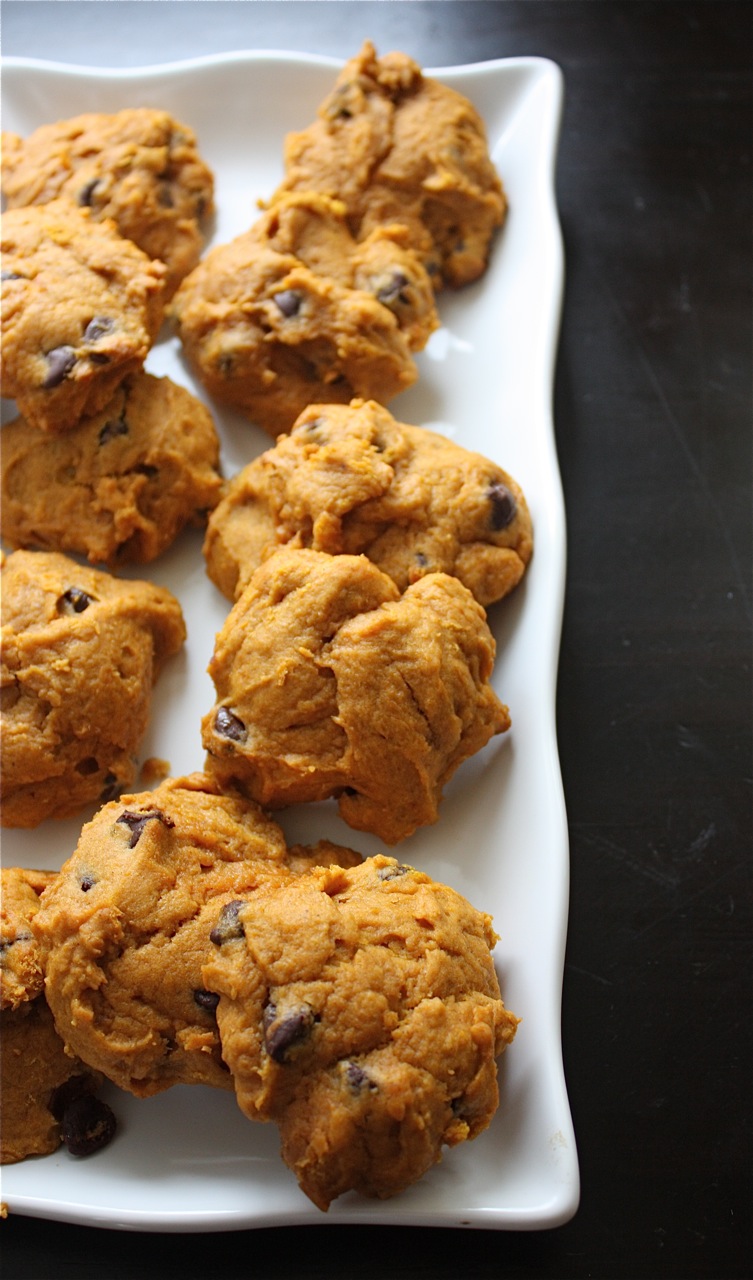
<point x="359" y="1009"/>
<point x="330" y="683"/>
<point x="351" y="479"/>
<point x="293" y="312"/>
<point x="140" y="167"/>
<point x="398" y="146"/>
<point x="45" y="1093"/>
<point x="81" y="309"/>
<point x="126" y="928"/>
<point x="118" y="487"/>
<point x="80" y="653"/>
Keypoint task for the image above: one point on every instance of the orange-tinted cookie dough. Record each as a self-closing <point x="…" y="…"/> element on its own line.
<point x="140" y="167"/>
<point x="398" y="146"/>
<point x="351" y="479"/>
<point x="330" y="683"/>
<point x="121" y="485"/>
<point x="80" y="653"/>
<point x="360" y="1010"/>
<point x="81" y="307"/>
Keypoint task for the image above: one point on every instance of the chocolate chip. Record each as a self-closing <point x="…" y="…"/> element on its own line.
<point x="421" y="560"/>
<point x="88" y="882"/>
<point x="228" y="725"/>
<point x="70" y="1091"/>
<point x="137" y="821"/>
<point x="110" y="789"/>
<point x="207" y="1000"/>
<point x="228" y="925"/>
<point x="389" y="292"/>
<point x="88" y="1124"/>
<point x="60" y="361"/>
<point x="98" y="327"/>
<point x="504" y="505"/>
<point x="281" y="1035"/>
<point x="165" y="196"/>
<point x="112" y="428"/>
<point x="144" y="469"/>
<point x="289" y="302"/>
<point x="74" y="600"/>
<point x="357" y="1079"/>
<point x="86" y="194"/>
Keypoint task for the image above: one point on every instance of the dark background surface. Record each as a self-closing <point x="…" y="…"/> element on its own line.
<point x="653" y="421"/>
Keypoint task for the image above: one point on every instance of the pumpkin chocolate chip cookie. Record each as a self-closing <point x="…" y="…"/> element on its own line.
<point x="359" y="1009"/>
<point x="118" y="487"/>
<point x="46" y="1094"/>
<point x="140" y="167"/>
<point x="81" y="308"/>
<point x="80" y="653"/>
<point x="294" y="311"/>
<point x="398" y="146"/>
<point x="351" y="479"/>
<point x="330" y="683"/>
<point x="126" y="927"/>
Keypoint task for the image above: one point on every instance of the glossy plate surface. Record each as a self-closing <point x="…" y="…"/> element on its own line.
<point x="187" y="1160"/>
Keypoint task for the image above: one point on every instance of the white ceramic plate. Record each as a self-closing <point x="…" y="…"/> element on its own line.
<point x="186" y="1160"/>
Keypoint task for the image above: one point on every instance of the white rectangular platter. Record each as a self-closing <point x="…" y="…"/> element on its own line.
<point x="187" y="1160"/>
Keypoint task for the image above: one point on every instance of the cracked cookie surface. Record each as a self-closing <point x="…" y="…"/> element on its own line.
<point x="294" y="311"/>
<point x="81" y="651"/>
<point x="126" y="928"/>
<point x="120" y="485"/>
<point x="140" y="167"/>
<point x="398" y="146"/>
<point x="81" y="308"/>
<point x="360" y="1010"/>
<point x="330" y="683"/>
<point x="350" y="479"/>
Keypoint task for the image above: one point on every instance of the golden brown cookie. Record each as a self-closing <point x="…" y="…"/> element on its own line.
<point x="359" y="1009"/>
<point x="126" y="928"/>
<point x="351" y="479"/>
<point x="140" y="167"/>
<point x="46" y="1094"/>
<point x="80" y="653"/>
<point x="81" y="309"/>
<point x="330" y="683"/>
<point x="294" y="311"/>
<point x="398" y="146"/>
<point x="121" y="485"/>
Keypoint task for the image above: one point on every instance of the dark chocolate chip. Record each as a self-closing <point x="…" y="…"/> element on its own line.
<point x="421" y="560"/>
<point x="282" y="1034"/>
<point x="110" y="789"/>
<point x="74" y="600"/>
<point x="229" y="725"/>
<point x="86" y="194"/>
<point x="88" y="882"/>
<point x="357" y="1079"/>
<point x="88" y="1124"/>
<point x="504" y="505"/>
<point x="389" y="292"/>
<point x="289" y="302"/>
<point x="228" y="925"/>
<point x="60" y="361"/>
<point x="112" y="428"/>
<point x="206" y="1000"/>
<point x="137" y="821"/>
<point x="69" y="1091"/>
<point x="144" y="469"/>
<point x="98" y="327"/>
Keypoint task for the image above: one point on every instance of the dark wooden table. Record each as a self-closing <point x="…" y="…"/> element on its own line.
<point x="653" y="421"/>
